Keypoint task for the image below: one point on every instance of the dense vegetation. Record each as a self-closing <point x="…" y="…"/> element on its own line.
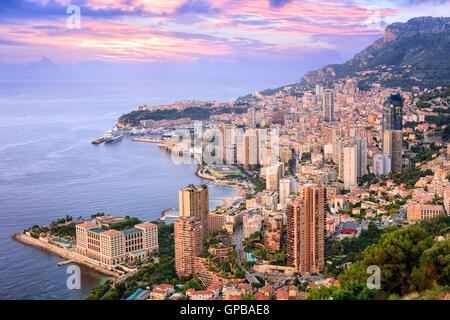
<point x="350" y="250"/>
<point x="57" y="227"/>
<point x="410" y="259"/>
<point x="127" y="224"/>
<point x="409" y="175"/>
<point x="195" y="113"/>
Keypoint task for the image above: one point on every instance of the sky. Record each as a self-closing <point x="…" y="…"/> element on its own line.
<point x="261" y="36"/>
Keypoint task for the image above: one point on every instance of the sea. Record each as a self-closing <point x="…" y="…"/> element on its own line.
<point x="49" y="168"/>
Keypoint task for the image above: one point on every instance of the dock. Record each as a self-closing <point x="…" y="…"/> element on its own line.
<point x="164" y="214"/>
<point x="61" y="263"/>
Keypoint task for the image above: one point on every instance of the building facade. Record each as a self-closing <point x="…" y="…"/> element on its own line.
<point x="328" y="105"/>
<point x="392" y="130"/>
<point x="421" y="211"/>
<point x="305" y="237"/>
<point x="194" y="202"/>
<point x="188" y="244"/>
<point x="110" y="248"/>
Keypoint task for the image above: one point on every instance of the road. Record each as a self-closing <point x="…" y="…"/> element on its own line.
<point x="237" y="241"/>
<point x="143" y="295"/>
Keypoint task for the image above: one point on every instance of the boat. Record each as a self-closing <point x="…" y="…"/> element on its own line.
<point x="98" y="140"/>
<point x="113" y="135"/>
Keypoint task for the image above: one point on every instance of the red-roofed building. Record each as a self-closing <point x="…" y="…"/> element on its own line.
<point x="193" y="294"/>
<point x="161" y="292"/>
<point x="331" y="282"/>
<point x="260" y="296"/>
<point x="287" y="293"/>
<point x="267" y="291"/>
<point x="246" y="288"/>
<point x="215" y="290"/>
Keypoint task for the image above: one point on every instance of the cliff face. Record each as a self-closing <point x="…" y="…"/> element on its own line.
<point x="422" y="44"/>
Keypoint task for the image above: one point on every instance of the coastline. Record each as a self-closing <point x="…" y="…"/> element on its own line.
<point x="60" y="252"/>
<point x="74" y="258"/>
<point x="227" y="201"/>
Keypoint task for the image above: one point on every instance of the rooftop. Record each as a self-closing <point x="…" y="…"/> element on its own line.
<point x="131" y="231"/>
<point x="97" y="230"/>
<point x="145" y="225"/>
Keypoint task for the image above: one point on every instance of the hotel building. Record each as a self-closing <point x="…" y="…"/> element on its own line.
<point x="110" y="248"/>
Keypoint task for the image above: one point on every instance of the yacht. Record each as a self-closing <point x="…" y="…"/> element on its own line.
<point x="113" y="135"/>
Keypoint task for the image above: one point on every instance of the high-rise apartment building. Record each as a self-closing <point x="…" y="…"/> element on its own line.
<point x="306" y="230"/>
<point x="392" y="130"/>
<point x="194" y="202"/>
<point x="273" y="175"/>
<point x="251" y="115"/>
<point x="361" y="143"/>
<point x="286" y="187"/>
<point x="352" y="159"/>
<point x="349" y="165"/>
<point x="247" y="148"/>
<point x="319" y="91"/>
<point x="188" y="244"/>
<point x="328" y="105"/>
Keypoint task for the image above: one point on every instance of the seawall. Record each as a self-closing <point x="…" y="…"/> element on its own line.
<point x="63" y="253"/>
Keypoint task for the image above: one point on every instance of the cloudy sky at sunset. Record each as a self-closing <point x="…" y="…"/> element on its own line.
<point x="268" y="32"/>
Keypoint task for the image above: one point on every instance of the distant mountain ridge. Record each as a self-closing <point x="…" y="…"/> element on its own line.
<point x="415" y="53"/>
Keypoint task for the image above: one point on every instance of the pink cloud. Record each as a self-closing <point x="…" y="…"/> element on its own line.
<point x="111" y="41"/>
<point x="234" y="27"/>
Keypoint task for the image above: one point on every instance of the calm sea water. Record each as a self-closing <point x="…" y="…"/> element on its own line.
<point x="48" y="169"/>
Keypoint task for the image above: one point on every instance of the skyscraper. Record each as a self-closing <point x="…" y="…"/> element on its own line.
<point x="273" y="174"/>
<point x="352" y="159"/>
<point x="247" y="148"/>
<point x="306" y="230"/>
<point x="328" y="105"/>
<point x="392" y="130"/>
<point x="349" y="165"/>
<point x="286" y="187"/>
<point x="361" y="143"/>
<point x="251" y="115"/>
<point x="188" y="244"/>
<point x="194" y="202"/>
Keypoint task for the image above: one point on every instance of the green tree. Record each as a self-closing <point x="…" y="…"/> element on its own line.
<point x="396" y="254"/>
